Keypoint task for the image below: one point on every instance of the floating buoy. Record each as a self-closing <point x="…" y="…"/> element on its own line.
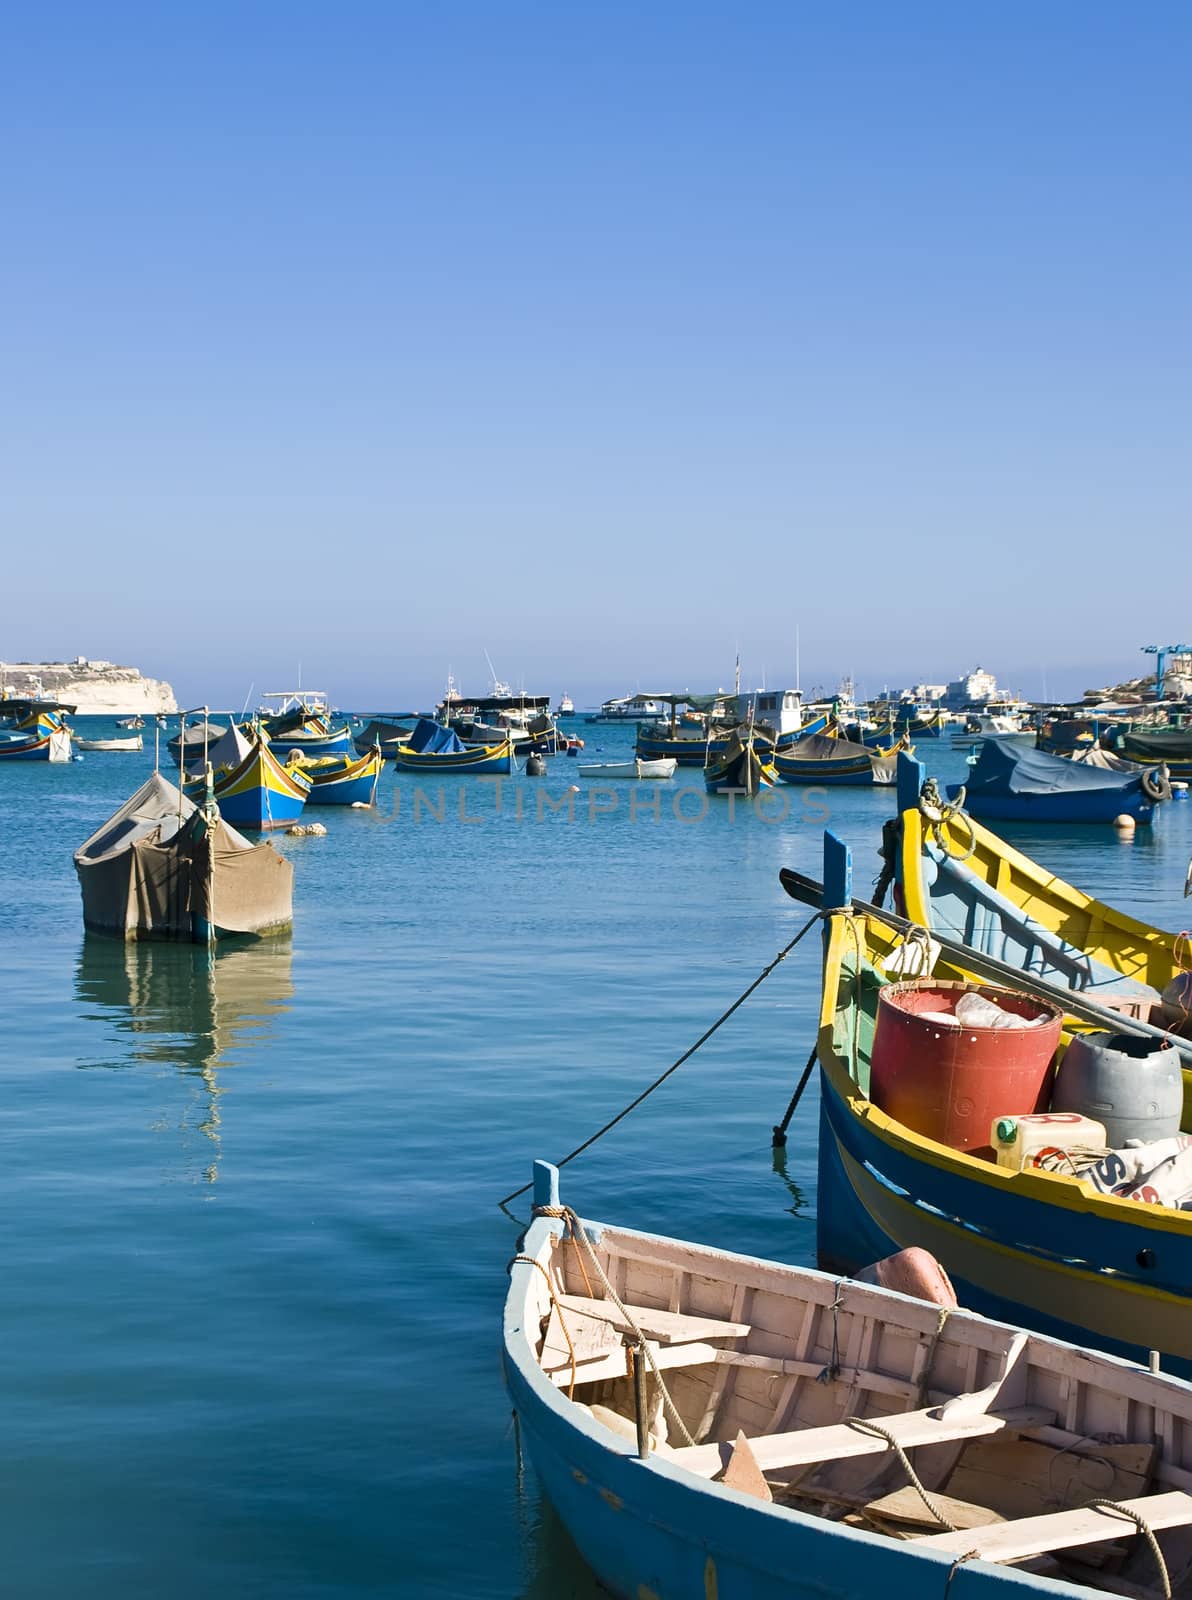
<point x="573" y="788"/>
<point x="535" y="766"/>
<point x="1123" y="822"/>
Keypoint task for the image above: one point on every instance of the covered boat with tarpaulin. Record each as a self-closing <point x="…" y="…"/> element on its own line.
<point x="163" y="868"/>
<point x="828" y="758"/>
<point x="434" y="748"/>
<point x="1170" y="746"/>
<point x="388" y="735"/>
<point x="1012" y="784"/>
<point x="744" y="765"/>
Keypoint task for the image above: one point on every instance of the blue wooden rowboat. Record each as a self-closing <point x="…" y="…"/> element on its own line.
<point x="257" y="791"/>
<point x="1012" y="784"/>
<point x="702" y="1429"/>
<point x="827" y="758"/>
<point x="344" y="780"/>
<point x="435" y="748"/>
<point x="1044" y="1247"/>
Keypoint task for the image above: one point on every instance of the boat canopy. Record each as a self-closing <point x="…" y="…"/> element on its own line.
<point x="823" y="747"/>
<point x="502" y="702"/>
<point x="1161" y="744"/>
<point x="1005" y="768"/>
<point x="433" y="739"/>
<point x="157" y="803"/>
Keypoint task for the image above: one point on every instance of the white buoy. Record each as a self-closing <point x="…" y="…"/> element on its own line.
<point x="1123" y="822"/>
<point x="573" y="788"/>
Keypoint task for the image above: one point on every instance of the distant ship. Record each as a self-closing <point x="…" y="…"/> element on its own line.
<point x="565" y="707"/>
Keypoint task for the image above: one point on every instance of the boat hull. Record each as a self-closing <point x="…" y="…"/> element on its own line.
<point x="52" y="746"/>
<point x="354" y="783"/>
<point x="259" y="794"/>
<point x="484" y="761"/>
<point x="851" y="772"/>
<point x="336" y="743"/>
<point x="1074" y="806"/>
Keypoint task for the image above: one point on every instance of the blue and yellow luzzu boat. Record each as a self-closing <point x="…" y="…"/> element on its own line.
<point x="344" y="780"/>
<point x="434" y="748"/>
<point x="1044" y="1247"/>
<point x="41" y="735"/>
<point x="315" y="738"/>
<point x="257" y="791"/>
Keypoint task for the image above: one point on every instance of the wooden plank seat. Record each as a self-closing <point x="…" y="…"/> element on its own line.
<point x="806" y="1447"/>
<point x="1061" y="1530"/>
<point x="665" y="1327"/>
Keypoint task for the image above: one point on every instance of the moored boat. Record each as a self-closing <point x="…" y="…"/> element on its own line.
<point x="628" y="769"/>
<point x="434" y="748"/>
<point x="743" y="766"/>
<point x="39" y="734"/>
<point x="252" y="787"/>
<point x="388" y="735"/>
<point x="828" y="758"/>
<point x="1153" y="744"/>
<point x="343" y="780"/>
<point x="720" y="1425"/>
<point x="162" y="867"/>
<point x="1012" y="784"/>
<point x="1082" y="1256"/>
<point x="136" y="742"/>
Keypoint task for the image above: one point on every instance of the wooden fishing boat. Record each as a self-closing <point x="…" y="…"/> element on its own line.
<point x="1150" y="745"/>
<point x="691" y="746"/>
<point x="40" y="735"/>
<point x="955" y="877"/>
<point x="1046" y="1247"/>
<point x="1010" y="784"/>
<point x="435" y="748"/>
<point x="134" y="743"/>
<point x="130" y="722"/>
<point x="628" y="769"/>
<point x="893" y="728"/>
<point x="257" y="791"/>
<point x="715" y="1425"/>
<point x="343" y="780"/>
<point x="389" y="735"/>
<point x="828" y="758"/>
<point x="744" y="766"/>
<point x="162" y="867"/>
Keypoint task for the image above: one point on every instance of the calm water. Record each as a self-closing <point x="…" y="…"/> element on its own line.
<point x="253" y="1261"/>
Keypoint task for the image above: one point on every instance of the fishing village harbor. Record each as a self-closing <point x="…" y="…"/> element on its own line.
<point x="828" y="1039"/>
<point x="596" y="803"/>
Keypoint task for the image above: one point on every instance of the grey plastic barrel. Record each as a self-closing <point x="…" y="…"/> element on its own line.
<point x="1131" y="1084"/>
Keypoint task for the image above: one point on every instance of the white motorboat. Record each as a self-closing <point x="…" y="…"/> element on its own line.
<point x="663" y="768"/>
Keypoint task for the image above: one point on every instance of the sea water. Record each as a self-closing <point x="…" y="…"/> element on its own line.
<point x="253" y="1261"/>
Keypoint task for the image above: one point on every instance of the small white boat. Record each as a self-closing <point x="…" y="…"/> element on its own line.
<point x="629" y="769"/>
<point x="135" y="743"/>
<point x="714" y="1424"/>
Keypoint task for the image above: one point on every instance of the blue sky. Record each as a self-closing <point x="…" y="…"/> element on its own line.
<point x="611" y="339"/>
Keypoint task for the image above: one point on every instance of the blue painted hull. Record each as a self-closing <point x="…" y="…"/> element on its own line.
<point x="1092" y="805"/>
<point x="344" y="791"/>
<point x="337" y="743"/>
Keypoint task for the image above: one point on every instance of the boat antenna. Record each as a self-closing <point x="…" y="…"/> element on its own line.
<point x="247" y="698"/>
<point x="798" y="672"/>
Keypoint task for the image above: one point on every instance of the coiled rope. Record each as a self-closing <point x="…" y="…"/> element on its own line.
<point x="938" y="813"/>
<point x="686" y="1056"/>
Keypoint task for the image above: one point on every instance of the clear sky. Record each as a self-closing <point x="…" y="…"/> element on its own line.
<point x="611" y="338"/>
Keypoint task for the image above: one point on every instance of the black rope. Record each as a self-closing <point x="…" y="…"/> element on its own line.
<point x="686" y="1056"/>
<point x="779" y="1136"/>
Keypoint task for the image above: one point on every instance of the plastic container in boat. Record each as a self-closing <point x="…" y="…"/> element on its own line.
<point x="1131" y="1084"/>
<point x="948" y="1081"/>
<point x="1018" y="1140"/>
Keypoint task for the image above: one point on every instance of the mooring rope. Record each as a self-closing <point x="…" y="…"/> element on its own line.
<point x="686" y="1056"/>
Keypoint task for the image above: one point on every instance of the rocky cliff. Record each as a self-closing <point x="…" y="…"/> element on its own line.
<point x="94" y="688"/>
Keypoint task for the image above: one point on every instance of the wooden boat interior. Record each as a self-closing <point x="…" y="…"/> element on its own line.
<point x="1010" y="1436"/>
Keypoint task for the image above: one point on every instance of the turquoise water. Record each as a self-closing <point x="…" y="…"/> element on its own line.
<point x="253" y="1261"/>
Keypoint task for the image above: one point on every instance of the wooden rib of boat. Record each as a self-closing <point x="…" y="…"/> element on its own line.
<point x="629" y="769"/>
<point x="1044" y="1247"/>
<point x="957" y="877"/>
<point x="733" y="1427"/>
<point x="135" y="743"/>
<point x="343" y="780"/>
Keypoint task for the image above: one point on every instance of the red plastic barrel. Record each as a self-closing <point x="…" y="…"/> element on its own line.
<point x="950" y="1082"/>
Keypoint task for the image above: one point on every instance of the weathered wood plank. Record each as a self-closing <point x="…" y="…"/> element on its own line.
<point x="1019" y="1477"/>
<point x="667" y="1327"/>
<point x="1061" y="1530"/>
<point x="838" y="1442"/>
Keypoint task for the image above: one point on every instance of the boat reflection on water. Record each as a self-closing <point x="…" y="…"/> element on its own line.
<point x="188" y="1007"/>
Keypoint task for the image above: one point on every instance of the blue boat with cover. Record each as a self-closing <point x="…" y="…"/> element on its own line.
<point x="715" y="1425"/>
<point x="1012" y="784"/>
<point x="435" y="748"/>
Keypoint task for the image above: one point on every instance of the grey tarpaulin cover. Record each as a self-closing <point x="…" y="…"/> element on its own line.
<point x="143" y="875"/>
<point x="1004" y="767"/>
